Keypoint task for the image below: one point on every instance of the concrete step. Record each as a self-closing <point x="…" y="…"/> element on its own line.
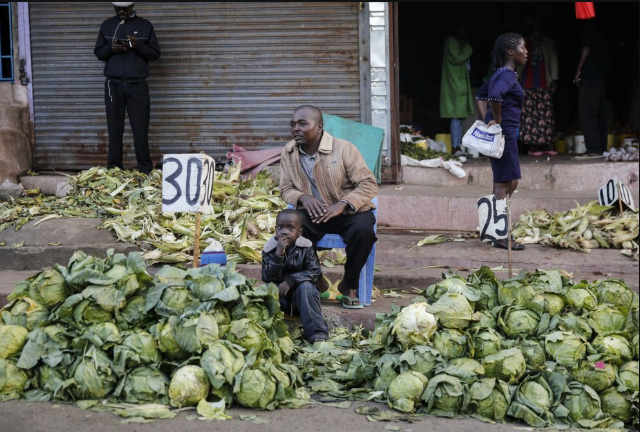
<point x="538" y="173"/>
<point x="455" y="208"/>
<point x="50" y="184"/>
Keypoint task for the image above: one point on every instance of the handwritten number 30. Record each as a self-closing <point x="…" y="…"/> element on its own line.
<point x="172" y="181"/>
<point x="208" y="184"/>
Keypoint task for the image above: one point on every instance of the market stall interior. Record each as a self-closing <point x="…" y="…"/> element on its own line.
<point x="423" y="28"/>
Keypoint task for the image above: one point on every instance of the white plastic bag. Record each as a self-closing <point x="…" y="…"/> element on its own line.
<point x="487" y="140"/>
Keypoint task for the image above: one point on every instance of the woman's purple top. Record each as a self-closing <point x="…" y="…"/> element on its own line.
<point x="503" y="87"/>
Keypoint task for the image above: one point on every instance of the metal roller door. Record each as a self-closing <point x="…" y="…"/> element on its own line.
<point x="230" y="73"/>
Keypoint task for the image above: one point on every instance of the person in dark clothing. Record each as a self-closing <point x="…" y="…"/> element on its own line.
<point x="591" y="78"/>
<point x="289" y="260"/>
<point x="127" y="43"/>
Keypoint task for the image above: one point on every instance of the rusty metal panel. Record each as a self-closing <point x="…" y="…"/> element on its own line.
<point x="230" y="73"/>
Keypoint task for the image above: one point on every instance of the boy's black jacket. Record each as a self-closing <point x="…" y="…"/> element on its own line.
<point x="299" y="263"/>
<point x="130" y="65"/>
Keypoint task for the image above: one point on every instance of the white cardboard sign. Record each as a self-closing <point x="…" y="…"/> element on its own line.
<point x="492" y="214"/>
<point x="614" y="190"/>
<point x="187" y="183"/>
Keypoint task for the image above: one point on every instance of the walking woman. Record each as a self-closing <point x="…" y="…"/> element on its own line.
<point x="504" y="96"/>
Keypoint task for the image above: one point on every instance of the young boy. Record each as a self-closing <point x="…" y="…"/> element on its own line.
<point x="289" y="261"/>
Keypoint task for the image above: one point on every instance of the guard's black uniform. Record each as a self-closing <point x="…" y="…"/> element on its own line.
<point x="126" y="85"/>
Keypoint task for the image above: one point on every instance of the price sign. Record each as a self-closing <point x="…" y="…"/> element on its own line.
<point x="187" y="183"/>
<point x="492" y="214"/>
<point x="615" y="191"/>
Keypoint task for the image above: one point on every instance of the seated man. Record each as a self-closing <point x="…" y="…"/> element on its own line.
<point x="289" y="260"/>
<point x="328" y="181"/>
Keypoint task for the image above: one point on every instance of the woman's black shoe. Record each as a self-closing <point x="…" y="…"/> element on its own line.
<point x="502" y="244"/>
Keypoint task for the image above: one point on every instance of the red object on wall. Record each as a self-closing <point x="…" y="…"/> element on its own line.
<point x="585" y="10"/>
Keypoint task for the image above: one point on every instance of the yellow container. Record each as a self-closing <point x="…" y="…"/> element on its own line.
<point x="561" y="146"/>
<point x="611" y="141"/>
<point x="421" y="143"/>
<point x="622" y="137"/>
<point x="446" y="139"/>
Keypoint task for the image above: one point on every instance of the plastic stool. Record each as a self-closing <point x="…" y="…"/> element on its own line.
<point x="365" y="284"/>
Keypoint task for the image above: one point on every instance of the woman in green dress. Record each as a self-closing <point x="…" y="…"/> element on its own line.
<point x="456" y="100"/>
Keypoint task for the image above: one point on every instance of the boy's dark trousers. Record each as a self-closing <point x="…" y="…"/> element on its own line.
<point x="134" y="97"/>
<point x="304" y="300"/>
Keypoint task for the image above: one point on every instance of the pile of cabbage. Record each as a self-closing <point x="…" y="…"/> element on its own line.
<point x="540" y="348"/>
<point x="103" y="329"/>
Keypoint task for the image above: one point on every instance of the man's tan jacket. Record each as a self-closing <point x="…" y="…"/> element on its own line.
<point x="340" y="173"/>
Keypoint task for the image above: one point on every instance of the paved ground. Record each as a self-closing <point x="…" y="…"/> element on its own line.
<point x="19" y="417"/>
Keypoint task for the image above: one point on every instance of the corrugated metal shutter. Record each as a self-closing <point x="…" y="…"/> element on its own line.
<point x="230" y="73"/>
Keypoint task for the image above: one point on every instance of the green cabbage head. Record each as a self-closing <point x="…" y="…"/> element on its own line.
<point x="414" y="325"/>
<point x="580" y="296"/>
<point x="629" y="377"/>
<point x="533" y="401"/>
<point x="615" y="348"/>
<point x="606" y="319"/>
<point x="534" y="354"/>
<point x="451" y="343"/>
<point x="577" y="324"/>
<point x="508" y="365"/>
<point x="616" y="404"/>
<point x="145" y="385"/>
<point x="24" y="312"/>
<point x="94" y="376"/>
<point x="12" y="339"/>
<point x="582" y="402"/>
<point x="12" y="380"/>
<point x="489" y="399"/>
<point x="188" y="386"/>
<point x="405" y="391"/>
<point x="566" y="348"/>
<point x="446" y="396"/>
<point x="467" y="369"/>
<point x="598" y="376"/>
<point x="49" y="288"/>
<point x="518" y="322"/>
<point x="615" y="292"/>
<point x="422" y="359"/>
<point x="483" y="342"/>
<point x="453" y="311"/>
<point x="255" y="388"/>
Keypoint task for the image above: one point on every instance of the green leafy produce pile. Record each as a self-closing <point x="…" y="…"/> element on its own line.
<point x="540" y="348"/>
<point x="131" y="205"/>
<point x="105" y="329"/>
<point x="583" y="228"/>
<point x="419" y="153"/>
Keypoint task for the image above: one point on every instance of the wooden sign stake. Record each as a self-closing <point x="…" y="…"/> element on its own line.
<point x="196" y="243"/>
<point x="509" y="236"/>
<point x="619" y="186"/>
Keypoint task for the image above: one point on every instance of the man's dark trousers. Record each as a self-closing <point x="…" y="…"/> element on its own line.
<point x="592" y="105"/>
<point x="134" y="97"/>
<point x="357" y="232"/>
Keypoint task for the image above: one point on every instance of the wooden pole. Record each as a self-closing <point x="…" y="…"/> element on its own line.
<point x="509" y="236"/>
<point x="618" y="185"/>
<point x="196" y="243"/>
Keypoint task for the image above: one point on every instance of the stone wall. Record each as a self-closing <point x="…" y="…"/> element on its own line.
<point x="15" y="127"/>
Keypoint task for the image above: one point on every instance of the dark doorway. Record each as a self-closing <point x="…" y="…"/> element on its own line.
<point x="423" y="27"/>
